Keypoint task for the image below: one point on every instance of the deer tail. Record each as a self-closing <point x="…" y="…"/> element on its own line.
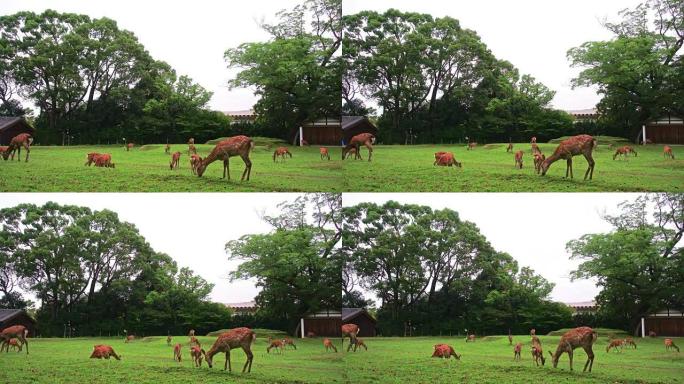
<point x="594" y="336"/>
<point x="26" y="332"/>
<point x="251" y="144"/>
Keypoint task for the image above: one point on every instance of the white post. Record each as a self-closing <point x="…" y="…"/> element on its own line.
<point x="301" y="135"/>
<point x="643" y="328"/>
<point x="643" y="137"/>
<point x="302" y="326"/>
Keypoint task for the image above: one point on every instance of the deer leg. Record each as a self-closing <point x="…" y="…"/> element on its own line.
<point x="570" y="357"/>
<point x="226" y="168"/>
<point x="590" y="358"/>
<point x="23" y="341"/>
<point x="370" y="150"/>
<point x="248" y="167"/>
<point x="230" y="369"/>
<point x="590" y="170"/>
<point x="29" y="151"/>
<point x="569" y="168"/>
<point x="250" y="357"/>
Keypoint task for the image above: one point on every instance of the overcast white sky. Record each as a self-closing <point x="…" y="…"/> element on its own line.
<point x="534" y="35"/>
<point x="192" y="228"/>
<point x="532" y="227"/>
<point x="189" y="35"/>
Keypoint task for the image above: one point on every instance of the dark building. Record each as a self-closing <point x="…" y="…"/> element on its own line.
<point x="324" y="323"/>
<point x="326" y="131"/>
<point x="12" y="126"/>
<point x="362" y="318"/>
<point x="667" y="322"/>
<point x="667" y="130"/>
<point x="354" y="125"/>
<point x="10" y="317"/>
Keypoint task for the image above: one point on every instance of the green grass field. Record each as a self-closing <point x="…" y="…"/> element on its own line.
<point x="490" y="169"/>
<point x="151" y="361"/>
<point x="490" y="360"/>
<point x="146" y="169"/>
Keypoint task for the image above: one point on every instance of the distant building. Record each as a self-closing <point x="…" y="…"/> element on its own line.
<point x="243" y="116"/>
<point x="10" y="317"/>
<point x="12" y="126"/>
<point x="325" y="131"/>
<point x="584" y="115"/>
<point x="362" y="319"/>
<point x="583" y="307"/>
<point x="326" y="323"/>
<point x="667" y="322"/>
<point x="354" y="125"/>
<point x="666" y="130"/>
<point x="243" y="308"/>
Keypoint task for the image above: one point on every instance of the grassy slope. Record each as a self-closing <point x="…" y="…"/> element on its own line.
<point x="146" y="169"/>
<point x="67" y="361"/>
<point x="490" y="169"/>
<point x="490" y="360"/>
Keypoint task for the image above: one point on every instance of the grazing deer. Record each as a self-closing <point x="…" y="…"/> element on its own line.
<point x="534" y="140"/>
<point x="277" y="344"/>
<point x="352" y="151"/>
<point x="91" y="158"/>
<point x="191" y="141"/>
<point x="535" y="149"/>
<point x="615" y="344"/>
<point x="581" y="144"/>
<point x="287" y="341"/>
<point x="445" y="351"/>
<point x="516" y="351"/>
<point x="669" y="344"/>
<point x="630" y="342"/>
<point x="177" y="350"/>
<point x="446" y="159"/>
<point x="193" y="340"/>
<point x="129" y="338"/>
<point x="104" y="160"/>
<point x="470" y="338"/>
<point x="192" y="149"/>
<point x="510" y="147"/>
<point x="579" y="337"/>
<point x="195" y="161"/>
<point x="365" y="139"/>
<point x="224" y="150"/>
<point x="651" y="334"/>
<point x="196" y="353"/>
<point x="667" y="152"/>
<point x="14" y="332"/>
<point x="168" y="340"/>
<point x="282" y="152"/>
<point x="324" y="153"/>
<point x="167" y="149"/>
<point x="538" y="354"/>
<point x="3" y="149"/>
<point x="234" y="338"/>
<point x="17" y="142"/>
<point x="102" y="351"/>
<point x="350" y="330"/>
<point x="360" y="343"/>
<point x="129" y="146"/>
<point x="175" y="160"/>
<point x="329" y="345"/>
<point x="519" y="159"/>
<point x="538" y="160"/>
<point x="471" y="145"/>
<point x="624" y="151"/>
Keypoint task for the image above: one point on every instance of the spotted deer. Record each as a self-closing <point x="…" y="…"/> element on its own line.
<point x="281" y="152"/>
<point x="175" y="160"/>
<point x="329" y="345"/>
<point x="445" y="351"/>
<point x="234" y="338"/>
<point x="365" y="139"/>
<point x="583" y="337"/>
<point x="519" y="159"/>
<point x="21" y="140"/>
<point x="224" y="150"/>
<point x="350" y="330"/>
<point x="576" y="145"/>
<point x="104" y="352"/>
<point x="667" y="152"/>
<point x="324" y="153"/>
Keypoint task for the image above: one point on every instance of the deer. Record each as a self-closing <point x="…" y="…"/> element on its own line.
<point x="350" y="330"/>
<point x="615" y="344"/>
<point x="445" y="351"/>
<point x="516" y="351"/>
<point x="234" y="146"/>
<point x="324" y="153"/>
<point x="195" y="161"/>
<point x="365" y="139"/>
<point x="579" y="337"/>
<point x="102" y="351"/>
<point x="446" y="159"/>
<point x="168" y="340"/>
<point x="15" y="345"/>
<point x="192" y="149"/>
<point x="576" y="145"/>
<point x="533" y="332"/>
<point x="277" y="344"/>
<point x="534" y="149"/>
<point x="191" y="141"/>
<point x="175" y="160"/>
<point x="17" y="142"/>
<point x="282" y="152"/>
<point x="196" y="352"/>
<point x="624" y="151"/>
<point x="304" y="143"/>
<point x="237" y="337"/>
<point x="129" y="338"/>
<point x="310" y="334"/>
<point x="352" y="151"/>
<point x="329" y="345"/>
<point x="510" y="147"/>
<point x="193" y="340"/>
<point x="129" y="146"/>
<point x="538" y="354"/>
<point x="3" y="149"/>
<point x="360" y="343"/>
<point x="91" y="158"/>
<point x="630" y="342"/>
<point x="538" y="160"/>
<point x="104" y="160"/>
<point x="177" y="351"/>
<point x="651" y="334"/>
<point x="667" y="152"/>
<point x="14" y="332"/>
<point x="471" y="145"/>
<point x="533" y="140"/>
<point x="191" y="333"/>
<point x="470" y="338"/>
<point x="669" y="344"/>
<point x="519" y="159"/>
<point x="167" y="149"/>
<point x="510" y="338"/>
<point x="287" y="341"/>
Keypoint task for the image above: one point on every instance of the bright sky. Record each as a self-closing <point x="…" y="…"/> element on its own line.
<point x="190" y="36"/>
<point x="534" y="35"/>
<point x="532" y="227"/>
<point x="192" y="228"/>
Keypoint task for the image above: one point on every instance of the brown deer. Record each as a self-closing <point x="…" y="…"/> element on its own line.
<point x="516" y="351"/>
<point x="277" y="344"/>
<point x="352" y="151"/>
<point x="446" y="159"/>
<point x="129" y="338"/>
<point x="129" y="146"/>
<point x="630" y="342"/>
<point x="196" y="354"/>
<point x="329" y="345"/>
<point x="91" y="158"/>
<point x="234" y="338"/>
<point x="534" y="148"/>
<point x="534" y="140"/>
<point x="324" y="153"/>
<point x="538" y="354"/>
<point x="615" y="344"/>
<point x="17" y="142"/>
<point x="3" y="149"/>
<point x="175" y="160"/>
<point x="104" y="160"/>
<point x="470" y="338"/>
<point x="519" y="159"/>
<point x="191" y="333"/>
<point x="581" y="144"/>
<point x="287" y="341"/>
<point x="104" y="352"/>
<point x="579" y="337"/>
<point x="669" y="344"/>
<point x="350" y="330"/>
<point x="224" y="150"/>
<point x="192" y="149"/>
<point x="191" y="141"/>
<point x="510" y="147"/>
<point x="667" y="152"/>
<point x="15" y="345"/>
<point x="177" y="351"/>
<point x="510" y="338"/>
<point x="282" y="152"/>
<point x="624" y="151"/>
<point x="651" y="334"/>
<point x="533" y="332"/>
<point x="538" y="160"/>
<point x="445" y="351"/>
<point x="14" y="332"/>
<point x="360" y="343"/>
<point x="167" y="149"/>
<point x="310" y="334"/>
<point x="195" y="161"/>
<point x="471" y="145"/>
<point x="365" y="139"/>
<point x="168" y="340"/>
<point x="304" y="143"/>
<point x="193" y="340"/>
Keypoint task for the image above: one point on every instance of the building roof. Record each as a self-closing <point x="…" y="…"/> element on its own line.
<point x="350" y="313"/>
<point x="352" y="121"/>
<point x="243" y="112"/>
<point x="582" y="304"/>
<point x="9" y="121"/>
<point x="579" y="112"/>
<point x="241" y="305"/>
<point x="8" y="314"/>
<point x="324" y="122"/>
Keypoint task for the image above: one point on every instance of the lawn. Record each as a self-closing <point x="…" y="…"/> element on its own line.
<point x="490" y="169"/>
<point x="151" y="361"/>
<point x="146" y="169"/>
<point x="490" y="360"/>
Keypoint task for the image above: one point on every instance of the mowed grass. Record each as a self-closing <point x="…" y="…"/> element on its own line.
<point x="490" y="169"/>
<point x="490" y="360"/>
<point x="151" y="361"/>
<point x="146" y="169"/>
